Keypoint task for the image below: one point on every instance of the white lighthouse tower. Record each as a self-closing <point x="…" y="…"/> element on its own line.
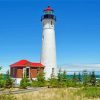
<point x="48" y="56"/>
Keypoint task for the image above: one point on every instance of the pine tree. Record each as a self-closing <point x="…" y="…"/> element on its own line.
<point x="74" y="79"/>
<point x="62" y="79"/>
<point x="64" y="76"/>
<point x="86" y="78"/>
<point x="0" y="67"/>
<point x="79" y="77"/>
<point x="59" y="76"/>
<point x="93" y="79"/>
<point x="2" y="81"/>
<point x="41" y="79"/>
<point x="53" y="82"/>
<point x="9" y="81"/>
<point x="24" y="83"/>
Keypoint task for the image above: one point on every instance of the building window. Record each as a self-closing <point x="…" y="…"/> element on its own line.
<point x="38" y="70"/>
<point x="14" y="72"/>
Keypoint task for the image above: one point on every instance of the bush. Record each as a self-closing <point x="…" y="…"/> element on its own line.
<point x="24" y="83"/>
<point x="53" y="82"/>
<point x="9" y="81"/>
<point x="74" y="80"/>
<point x="2" y="83"/>
<point x="41" y="79"/>
<point x="86" y="78"/>
<point x="34" y="83"/>
<point x="71" y="83"/>
<point x="93" y="79"/>
<point x="62" y="79"/>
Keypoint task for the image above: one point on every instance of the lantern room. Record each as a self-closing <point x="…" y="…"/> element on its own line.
<point x="48" y="14"/>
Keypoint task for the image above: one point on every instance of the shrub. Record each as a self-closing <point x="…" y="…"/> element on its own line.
<point x="86" y="78"/>
<point x="34" y="83"/>
<point x="93" y="79"/>
<point x="53" y="82"/>
<point x="24" y="83"/>
<point x="41" y="79"/>
<point x="2" y="81"/>
<point x="9" y="81"/>
<point x="79" y="78"/>
<point x="74" y="80"/>
<point x="62" y="79"/>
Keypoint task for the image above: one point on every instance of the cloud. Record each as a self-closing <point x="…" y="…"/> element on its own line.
<point x="80" y="67"/>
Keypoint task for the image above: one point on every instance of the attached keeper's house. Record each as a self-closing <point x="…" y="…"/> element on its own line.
<point x="25" y="68"/>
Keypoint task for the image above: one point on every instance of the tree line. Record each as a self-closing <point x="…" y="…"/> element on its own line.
<point x="61" y="80"/>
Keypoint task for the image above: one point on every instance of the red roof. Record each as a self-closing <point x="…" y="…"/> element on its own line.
<point x="48" y="9"/>
<point x="25" y="63"/>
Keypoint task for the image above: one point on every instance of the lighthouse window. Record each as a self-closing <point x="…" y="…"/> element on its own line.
<point x="43" y="24"/>
<point x="52" y="70"/>
<point x="43" y="37"/>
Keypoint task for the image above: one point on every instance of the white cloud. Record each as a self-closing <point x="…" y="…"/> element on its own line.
<point x="80" y="67"/>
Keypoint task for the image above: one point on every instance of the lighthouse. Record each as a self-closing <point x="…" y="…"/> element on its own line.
<point x="48" y="55"/>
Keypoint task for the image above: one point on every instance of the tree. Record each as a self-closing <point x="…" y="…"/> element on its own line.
<point x="2" y="81"/>
<point x="62" y="79"/>
<point x="74" y="79"/>
<point x="24" y="83"/>
<point x="0" y="67"/>
<point x="93" y="79"/>
<point x="9" y="81"/>
<point x="41" y="79"/>
<point x="79" y="77"/>
<point x="86" y="78"/>
<point x="98" y="82"/>
<point x="53" y="82"/>
<point x="64" y="76"/>
<point x="59" y="76"/>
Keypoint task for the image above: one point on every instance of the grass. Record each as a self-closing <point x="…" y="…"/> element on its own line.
<point x="51" y="94"/>
<point x="7" y="97"/>
<point x="89" y="93"/>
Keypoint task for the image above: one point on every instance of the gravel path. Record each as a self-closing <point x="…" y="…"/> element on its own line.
<point x="20" y="91"/>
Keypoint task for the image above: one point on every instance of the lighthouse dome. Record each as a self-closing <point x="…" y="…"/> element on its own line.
<point x="48" y="9"/>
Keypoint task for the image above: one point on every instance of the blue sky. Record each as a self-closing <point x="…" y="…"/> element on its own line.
<point x="77" y="30"/>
